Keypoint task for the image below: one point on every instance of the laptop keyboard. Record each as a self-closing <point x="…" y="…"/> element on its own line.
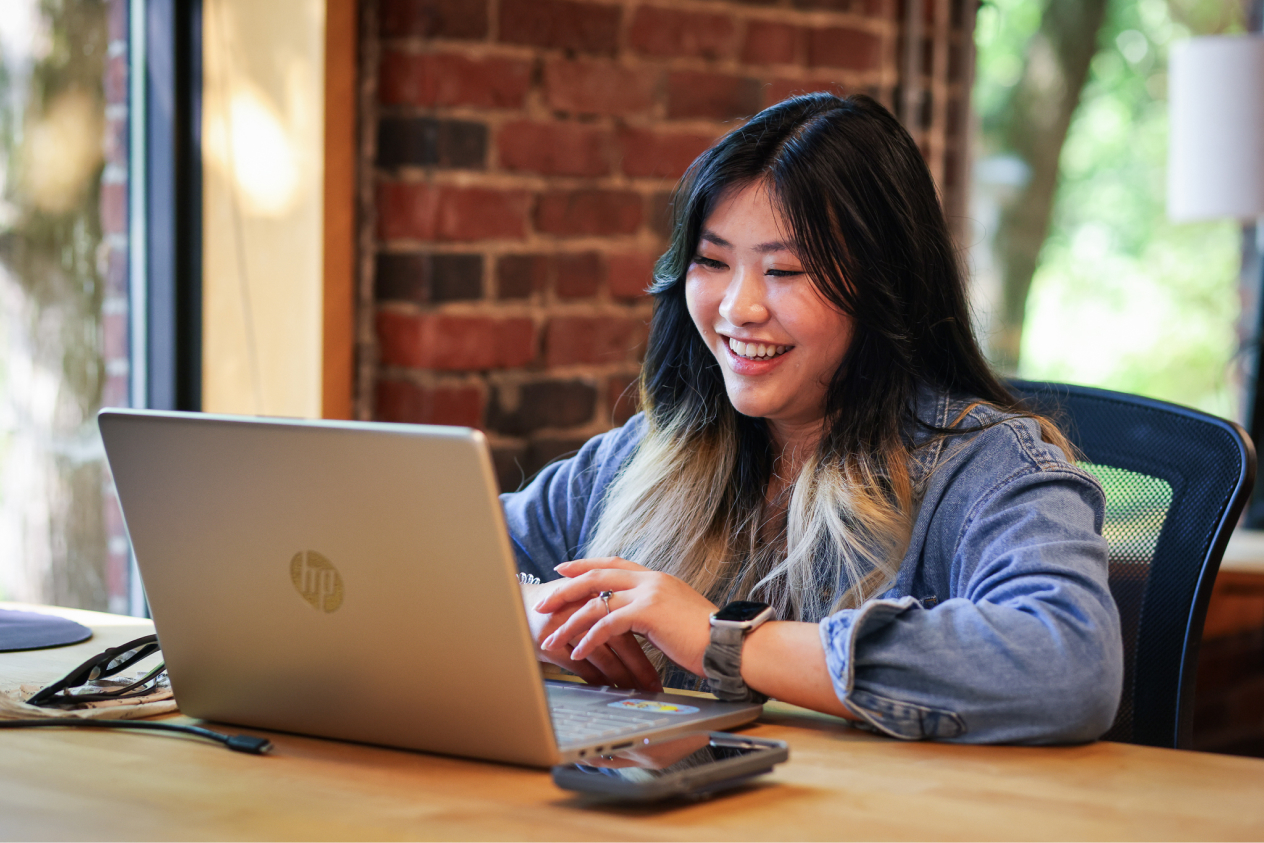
<point x="579" y="724"/>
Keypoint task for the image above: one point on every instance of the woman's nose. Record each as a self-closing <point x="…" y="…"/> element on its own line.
<point x="743" y="302"/>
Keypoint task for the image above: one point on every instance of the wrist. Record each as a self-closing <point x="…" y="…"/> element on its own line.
<point x="722" y="661"/>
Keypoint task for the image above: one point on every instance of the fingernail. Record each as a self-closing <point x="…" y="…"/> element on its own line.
<point x="547" y="642"/>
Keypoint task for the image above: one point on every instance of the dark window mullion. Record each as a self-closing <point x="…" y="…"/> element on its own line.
<point x="173" y="97"/>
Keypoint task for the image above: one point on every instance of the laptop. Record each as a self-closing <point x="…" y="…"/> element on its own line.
<point x="356" y="581"/>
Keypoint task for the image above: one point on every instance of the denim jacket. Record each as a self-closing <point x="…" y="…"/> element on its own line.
<point x="1000" y="627"/>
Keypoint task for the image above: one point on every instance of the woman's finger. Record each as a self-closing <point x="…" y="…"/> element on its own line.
<point x="582" y="566"/>
<point x="616" y="623"/>
<point x="584" y="587"/>
<point x="577" y="625"/>
<point x="612" y="668"/>
<point x="629" y="651"/>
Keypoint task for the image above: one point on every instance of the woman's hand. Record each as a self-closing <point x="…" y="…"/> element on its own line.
<point x="621" y="662"/>
<point x="674" y="617"/>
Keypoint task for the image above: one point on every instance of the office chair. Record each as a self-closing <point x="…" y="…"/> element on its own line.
<point x="1176" y="481"/>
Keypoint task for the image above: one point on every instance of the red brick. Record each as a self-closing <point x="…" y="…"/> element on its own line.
<point x="657" y="31"/>
<point x="115" y="81"/>
<point x="116" y="151"/>
<point x="580" y="212"/>
<point x="114" y="208"/>
<point x="711" y="95"/>
<point x="661" y="214"/>
<point x="454" y="343"/>
<point x="114" y="336"/>
<point x="117" y="578"/>
<point x="844" y="47"/>
<point x="593" y="339"/>
<point x="116" y="392"/>
<point x="518" y="276"/>
<point x="770" y="42"/>
<point x="660" y="154"/>
<point x="116" y="16"/>
<point x="555" y="149"/>
<point x="542" y="404"/>
<point x="561" y="24"/>
<point x="420" y="211"/>
<point x="403" y="401"/>
<point x="578" y="275"/>
<point x="628" y="275"/>
<point x="114" y="525"/>
<point x="591" y="87"/>
<point x="779" y="89"/>
<point x="450" y="79"/>
<point x="116" y="280"/>
<point x="433" y="18"/>
<point x="623" y="395"/>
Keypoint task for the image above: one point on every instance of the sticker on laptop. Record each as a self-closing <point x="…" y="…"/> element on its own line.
<point x="653" y="705"/>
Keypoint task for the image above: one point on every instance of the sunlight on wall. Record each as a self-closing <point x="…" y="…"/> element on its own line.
<point x="263" y="118"/>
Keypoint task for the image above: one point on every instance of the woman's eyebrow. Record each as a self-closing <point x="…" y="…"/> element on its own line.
<point x="762" y="248"/>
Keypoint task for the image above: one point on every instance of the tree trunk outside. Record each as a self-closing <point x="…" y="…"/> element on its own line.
<point x="1034" y="127"/>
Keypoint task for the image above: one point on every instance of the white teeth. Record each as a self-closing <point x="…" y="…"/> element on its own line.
<point x="756" y="349"/>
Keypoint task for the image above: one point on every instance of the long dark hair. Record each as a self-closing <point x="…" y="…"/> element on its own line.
<point x="870" y="232"/>
<point x="868" y="227"/>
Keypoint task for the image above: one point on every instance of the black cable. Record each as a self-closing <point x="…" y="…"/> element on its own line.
<point x="239" y="743"/>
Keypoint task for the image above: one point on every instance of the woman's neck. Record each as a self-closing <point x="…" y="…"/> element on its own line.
<point x="793" y="444"/>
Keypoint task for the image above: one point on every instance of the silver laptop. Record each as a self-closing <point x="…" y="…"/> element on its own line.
<point x="355" y="581"/>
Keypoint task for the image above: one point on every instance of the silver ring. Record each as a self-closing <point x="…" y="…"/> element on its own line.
<point x="605" y="598"/>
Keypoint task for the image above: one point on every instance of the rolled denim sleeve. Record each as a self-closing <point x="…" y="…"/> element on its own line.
<point x="1027" y="647"/>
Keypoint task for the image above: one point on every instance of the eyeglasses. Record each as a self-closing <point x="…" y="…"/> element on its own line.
<point x="108" y="663"/>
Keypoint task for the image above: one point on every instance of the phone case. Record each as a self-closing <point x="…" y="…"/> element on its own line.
<point x="697" y="781"/>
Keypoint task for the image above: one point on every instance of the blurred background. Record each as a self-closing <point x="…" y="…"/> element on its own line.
<point x="56" y="191"/>
<point x="1079" y="275"/>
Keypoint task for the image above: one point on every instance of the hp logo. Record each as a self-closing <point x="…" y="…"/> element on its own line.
<point x="316" y="580"/>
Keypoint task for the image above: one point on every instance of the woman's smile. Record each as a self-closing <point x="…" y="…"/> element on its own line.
<point x="753" y="359"/>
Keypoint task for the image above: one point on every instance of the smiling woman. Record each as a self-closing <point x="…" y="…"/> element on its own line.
<point x="822" y="438"/>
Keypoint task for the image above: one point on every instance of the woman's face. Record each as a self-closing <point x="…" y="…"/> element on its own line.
<point x="777" y="340"/>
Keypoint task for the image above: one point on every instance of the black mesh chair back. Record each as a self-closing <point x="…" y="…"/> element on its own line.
<point x="1176" y="481"/>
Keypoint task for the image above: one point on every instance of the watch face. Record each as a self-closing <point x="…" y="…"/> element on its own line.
<point x="741" y="611"/>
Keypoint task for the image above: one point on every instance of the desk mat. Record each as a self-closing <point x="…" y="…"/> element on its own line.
<point x="33" y="631"/>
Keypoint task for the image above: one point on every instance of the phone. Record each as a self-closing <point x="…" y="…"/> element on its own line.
<point x="693" y="765"/>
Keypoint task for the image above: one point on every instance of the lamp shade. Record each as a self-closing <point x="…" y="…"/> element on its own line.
<point x="1216" y="122"/>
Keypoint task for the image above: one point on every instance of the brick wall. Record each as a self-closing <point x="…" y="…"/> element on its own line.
<point x="516" y="159"/>
<point x="1229" y="690"/>
<point x="114" y="308"/>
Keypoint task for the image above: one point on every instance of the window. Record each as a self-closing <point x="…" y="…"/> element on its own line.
<point x="99" y="273"/>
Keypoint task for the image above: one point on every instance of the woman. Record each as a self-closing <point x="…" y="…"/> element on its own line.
<point x="821" y="434"/>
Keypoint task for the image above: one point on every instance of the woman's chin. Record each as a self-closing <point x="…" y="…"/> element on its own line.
<point x="753" y="406"/>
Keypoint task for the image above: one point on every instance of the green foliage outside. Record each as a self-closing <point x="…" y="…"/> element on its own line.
<point x="1121" y="298"/>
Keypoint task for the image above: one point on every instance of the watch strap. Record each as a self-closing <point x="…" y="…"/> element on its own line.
<point x="722" y="665"/>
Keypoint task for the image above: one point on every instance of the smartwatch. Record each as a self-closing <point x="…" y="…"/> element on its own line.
<point x="722" y="661"/>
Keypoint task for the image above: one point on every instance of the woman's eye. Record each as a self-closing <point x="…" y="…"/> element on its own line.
<point x="784" y="273"/>
<point x="709" y="263"/>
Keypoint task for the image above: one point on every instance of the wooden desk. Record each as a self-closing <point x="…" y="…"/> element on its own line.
<point x="838" y="784"/>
